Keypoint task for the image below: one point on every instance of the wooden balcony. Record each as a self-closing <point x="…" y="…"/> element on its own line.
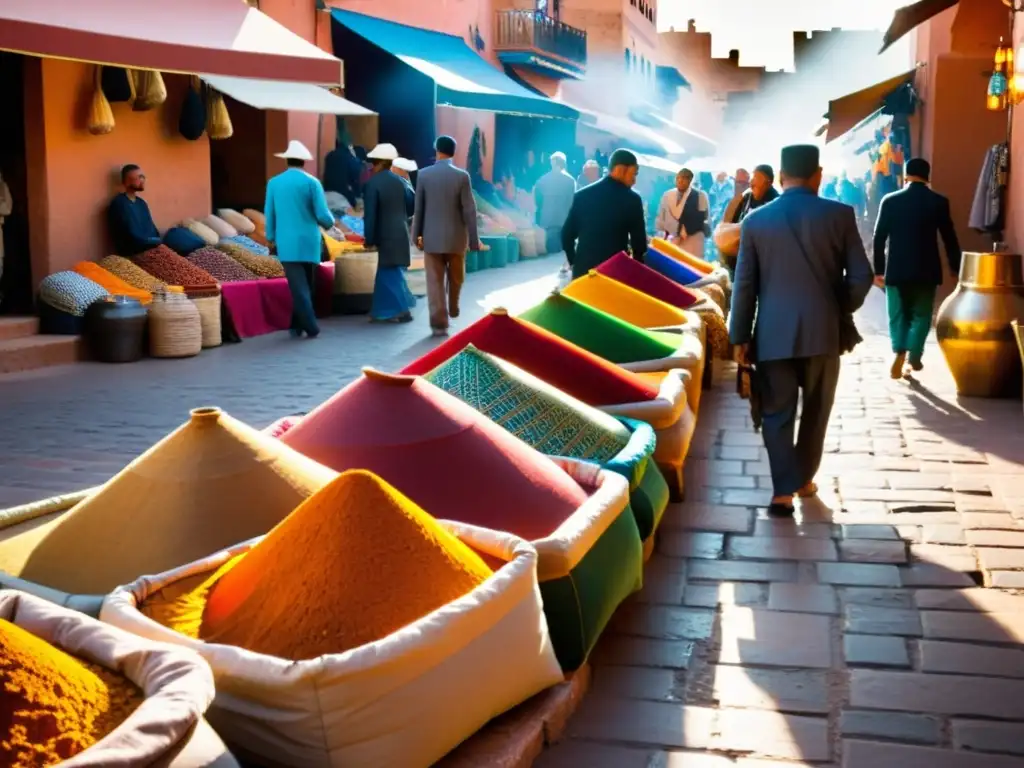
<point x="535" y="40"/>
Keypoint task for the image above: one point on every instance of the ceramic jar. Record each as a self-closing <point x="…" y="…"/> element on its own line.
<point x="115" y="328"/>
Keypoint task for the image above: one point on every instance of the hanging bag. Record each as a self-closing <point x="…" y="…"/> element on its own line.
<point x="101" y="116"/>
<point x="218" y="121"/>
<point x="150" y="91"/>
<point x="192" y="122"/>
<point x="118" y="84"/>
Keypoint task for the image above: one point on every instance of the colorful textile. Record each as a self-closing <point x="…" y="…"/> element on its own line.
<point x="353" y="223"/>
<point x="211" y="483"/>
<point x="621" y="301"/>
<point x="631" y="272"/>
<point x="391" y="295"/>
<point x="599" y="332"/>
<point x="257" y="307"/>
<point x="440" y="453"/>
<point x="183" y="241"/>
<point x="575" y="371"/>
<point x="670" y="268"/>
<point x="223" y="268"/>
<point x="694" y="262"/>
<point x="247" y="242"/>
<point x="70" y="292"/>
<point x="113" y="284"/>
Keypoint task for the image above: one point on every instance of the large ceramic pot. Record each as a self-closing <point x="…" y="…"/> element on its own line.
<point x="973" y="325"/>
<point x="115" y="327"/>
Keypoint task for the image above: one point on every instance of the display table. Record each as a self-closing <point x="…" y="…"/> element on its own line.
<point x="256" y="307"/>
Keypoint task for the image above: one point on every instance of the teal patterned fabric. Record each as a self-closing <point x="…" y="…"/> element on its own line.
<point x="532" y="410"/>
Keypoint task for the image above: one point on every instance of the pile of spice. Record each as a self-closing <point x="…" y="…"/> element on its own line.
<point x="52" y="705"/>
<point x="164" y="264"/>
<point x="114" y="284"/>
<point x="353" y="564"/>
<point x="132" y="273"/>
<point x="220" y="265"/>
<point x="261" y="266"/>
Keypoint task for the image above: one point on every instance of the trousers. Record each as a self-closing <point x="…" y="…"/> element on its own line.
<point x="301" y="276"/>
<point x="794" y="457"/>
<point x="910" y="317"/>
<point x="446" y="272"/>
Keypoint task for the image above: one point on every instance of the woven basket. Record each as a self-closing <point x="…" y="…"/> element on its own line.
<point x="175" y="329"/>
<point x="355" y="272"/>
<point x="209" y="319"/>
<point x="527" y="243"/>
<point x="540" y="241"/>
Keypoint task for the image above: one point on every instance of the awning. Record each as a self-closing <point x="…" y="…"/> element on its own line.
<point x="911" y="16"/>
<point x="287" y="97"/>
<point x="671" y="76"/>
<point x="633" y="135"/>
<point x="846" y="112"/>
<point x="222" y="37"/>
<point x="696" y="144"/>
<point x="463" y="78"/>
<point x="657" y="164"/>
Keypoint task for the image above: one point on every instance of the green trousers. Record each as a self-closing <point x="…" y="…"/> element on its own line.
<point x="910" y="317"/>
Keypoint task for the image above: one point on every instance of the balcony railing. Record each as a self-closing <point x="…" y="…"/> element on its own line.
<point x="519" y="30"/>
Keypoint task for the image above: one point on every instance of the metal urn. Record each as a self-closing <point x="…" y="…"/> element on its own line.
<point x="973" y="325"/>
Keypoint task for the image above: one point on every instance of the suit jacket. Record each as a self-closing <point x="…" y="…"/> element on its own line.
<point x="386" y="219"/>
<point x="670" y="209"/>
<point x="778" y="303"/>
<point x="445" y="213"/>
<point x="296" y="209"/>
<point x="553" y="193"/>
<point x="911" y="221"/>
<point x="604" y="218"/>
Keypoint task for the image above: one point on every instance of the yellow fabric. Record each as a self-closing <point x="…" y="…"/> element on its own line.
<point x="337" y="248"/>
<point x="624" y="302"/>
<point x="677" y="253"/>
<point x="114" y="284"/>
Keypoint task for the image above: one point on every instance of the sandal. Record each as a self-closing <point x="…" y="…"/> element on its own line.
<point x="808" y="491"/>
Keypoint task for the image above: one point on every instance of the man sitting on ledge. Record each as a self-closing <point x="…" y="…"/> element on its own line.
<point x="131" y="225"/>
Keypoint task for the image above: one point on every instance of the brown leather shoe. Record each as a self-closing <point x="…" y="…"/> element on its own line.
<point x="896" y="369"/>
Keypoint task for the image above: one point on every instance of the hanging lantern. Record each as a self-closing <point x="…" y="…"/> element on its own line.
<point x="997" y="83"/>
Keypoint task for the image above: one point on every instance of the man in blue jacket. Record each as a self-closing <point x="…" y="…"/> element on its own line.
<point x="295" y="210"/>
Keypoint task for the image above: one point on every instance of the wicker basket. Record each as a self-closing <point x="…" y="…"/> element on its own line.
<point x="354" y="275"/>
<point x="540" y="241"/>
<point x="175" y="329"/>
<point x="209" y="319"/>
<point x="527" y="243"/>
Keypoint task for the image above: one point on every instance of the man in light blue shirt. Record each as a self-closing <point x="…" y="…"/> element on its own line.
<point x="295" y="210"/>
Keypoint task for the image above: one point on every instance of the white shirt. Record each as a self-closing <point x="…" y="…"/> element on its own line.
<point x="671" y="208"/>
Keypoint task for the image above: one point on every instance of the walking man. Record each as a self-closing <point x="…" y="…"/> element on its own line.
<point x="444" y="225"/>
<point x="296" y="209"/>
<point x="800" y="274"/>
<point x="553" y="194"/>
<point x="910" y="221"/>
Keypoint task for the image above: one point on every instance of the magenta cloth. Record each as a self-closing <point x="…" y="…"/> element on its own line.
<point x="324" y="295"/>
<point x="639" y="276"/>
<point x="258" y="306"/>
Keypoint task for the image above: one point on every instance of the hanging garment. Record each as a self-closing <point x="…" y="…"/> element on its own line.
<point x="987" y="210"/>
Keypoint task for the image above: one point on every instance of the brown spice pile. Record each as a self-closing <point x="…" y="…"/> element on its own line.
<point x="261" y="266"/>
<point x="53" y="706"/>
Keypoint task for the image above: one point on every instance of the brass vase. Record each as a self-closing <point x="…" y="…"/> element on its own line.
<point x="973" y="325"/>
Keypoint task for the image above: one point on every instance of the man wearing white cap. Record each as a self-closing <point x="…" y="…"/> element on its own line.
<point x="295" y="210"/>
<point x="388" y="206"/>
<point x="402" y="167"/>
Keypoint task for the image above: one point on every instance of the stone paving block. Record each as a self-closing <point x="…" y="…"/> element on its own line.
<point x="931" y="575"/>
<point x="858" y="574"/>
<point x="881" y="532"/>
<point x="874" y="620"/>
<point x="690" y="544"/>
<point x="704" y="760"/>
<point x="875" y="651"/>
<point x="803" y="598"/>
<point x="612" y="718"/>
<point x="785" y="690"/>
<point x="1001" y="558"/>
<point x="970" y="659"/>
<point x="864" y="754"/>
<point x="634" y="683"/>
<point x="662" y="586"/>
<point x="757" y="468"/>
<point x="746" y="498"/>
<point x="740" y="453"/>
<point x="642" y="652"/>
<point x="943" y="534"/>
<point x="1002" y="539"/>
<point x="793" y="529"/>
<point x="898" y="726"/>
<point x="937" y="694"/>
<point x="883" y="598"/>
<point x="730" y="593"/>
<point x="707" y="517"/>
<point x="999" y="627"/>
<point x="710" y="570"/>
<point x="576" y="754"/>
<point x="1007" y="579"/>
<point x="983" y="736"/>
<point x="872" y="551"/>
<point x="976" y="600"/>
<point x="998" y="521"/>
<point x="661" y="622"/>
<point x="774" y="638"/>
<point x="951" y="558"/>
<point x="711" y="480"/>
<point x="770" y="734"/>
<point x="778" y="548"/>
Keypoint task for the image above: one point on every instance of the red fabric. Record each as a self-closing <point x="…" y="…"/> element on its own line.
<point x="631" y="272"/>
<point x="324" y="294"/>
<point x="258" y="306"/>
<point x="448" y="458"/>
<point x="573" y="370"/>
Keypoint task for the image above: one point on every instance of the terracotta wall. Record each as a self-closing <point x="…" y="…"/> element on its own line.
<point x="1014" y="234"/>
<point x="73" y="174"/>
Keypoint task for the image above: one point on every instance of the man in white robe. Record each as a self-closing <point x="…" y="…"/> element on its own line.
<point x="681" y="220"/>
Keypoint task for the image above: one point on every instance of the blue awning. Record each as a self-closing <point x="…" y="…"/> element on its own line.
<point x="463" y="78"/>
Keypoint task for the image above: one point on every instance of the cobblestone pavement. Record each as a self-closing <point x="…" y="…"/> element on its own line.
<point x="68" y="428"/>
<point x="871" y="631"/>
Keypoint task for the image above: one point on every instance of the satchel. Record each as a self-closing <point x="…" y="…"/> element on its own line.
<point x="849" y="336"/>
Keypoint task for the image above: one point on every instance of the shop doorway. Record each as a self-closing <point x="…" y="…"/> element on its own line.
<point x="238" y="166"/>
<point x="16" y="280"/>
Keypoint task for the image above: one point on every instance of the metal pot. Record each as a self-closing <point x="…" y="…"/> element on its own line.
<point x="115" y="328"/>
<point x="973" y="325"/>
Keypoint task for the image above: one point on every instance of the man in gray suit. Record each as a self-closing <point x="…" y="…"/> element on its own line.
<point x="444" y="225"/>
<point x="800" y="274"/>
<point x="553" y="194"/>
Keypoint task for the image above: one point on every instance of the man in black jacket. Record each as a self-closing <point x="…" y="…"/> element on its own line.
<point x="911" y="221"/>
<point x="606" y="217"/>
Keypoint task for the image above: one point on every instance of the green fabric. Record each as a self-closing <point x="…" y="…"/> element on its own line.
<point x="910" y="317"/>
<point x="598" y="332"/>
<point x="631" y="462"/>
<point x="649" y="501"/>
<point x="578" y="606"/>
<point x="538" y="414"/>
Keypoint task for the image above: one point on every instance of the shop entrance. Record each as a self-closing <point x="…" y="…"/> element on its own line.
<point x="16" y="280"/>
